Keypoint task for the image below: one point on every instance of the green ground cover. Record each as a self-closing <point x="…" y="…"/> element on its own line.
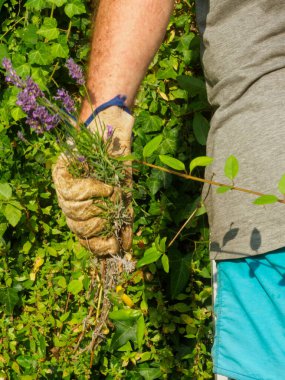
<point x="160" y="325"/>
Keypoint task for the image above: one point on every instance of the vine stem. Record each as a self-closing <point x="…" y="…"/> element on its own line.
<point x="210" y="182"/>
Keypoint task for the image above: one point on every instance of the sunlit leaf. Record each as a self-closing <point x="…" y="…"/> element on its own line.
<point x="152" y="146"/>
<point x="172" y="162"/>
<point x="231" y="167"/>
<point x="200" y="161"/>
<point x="265" y="199"/>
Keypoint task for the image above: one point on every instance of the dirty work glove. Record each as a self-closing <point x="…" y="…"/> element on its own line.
<point x="80" y="199"/>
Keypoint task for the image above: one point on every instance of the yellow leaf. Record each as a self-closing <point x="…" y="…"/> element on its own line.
<point x="38" y="263"/>
<point x="127" y="300"/>
<point x="163" y="95"/>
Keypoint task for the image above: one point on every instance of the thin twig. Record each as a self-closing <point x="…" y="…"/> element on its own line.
<point x="198" y="179"/>
<point x="182" y="228"/>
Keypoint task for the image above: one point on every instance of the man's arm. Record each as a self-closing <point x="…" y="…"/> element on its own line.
<point x="126" y="37"/>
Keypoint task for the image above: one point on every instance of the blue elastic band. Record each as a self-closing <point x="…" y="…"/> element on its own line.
<point x="118" y="101"/>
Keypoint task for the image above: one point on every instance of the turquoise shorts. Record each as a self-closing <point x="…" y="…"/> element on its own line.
<point x="250" y="318"/>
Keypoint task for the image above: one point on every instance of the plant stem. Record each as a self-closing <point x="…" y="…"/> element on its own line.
<point x="210" y="182"/>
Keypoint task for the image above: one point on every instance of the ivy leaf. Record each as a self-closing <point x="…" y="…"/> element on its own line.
<point x="125" y="331"/>
<point x="193" y="85"/>
<point x="281" y="184"/>
<point x="200" y="128"/>
<point x="3" y="52"/>
<point x="170" y="141"/>
<point x="9" y="298"/>
<point x="40" y="56"/>
<point x="75" y="286"/>
<point x="36" y="4"/>
<point x="152" y="146"/>
<point x="49" y="29"/>
<point x="265" y="199"/>
<point x="17" y="113"/>
<point x="150" y="373"/>
<point x="172" y="162"/>
<point x="200" y="161"/>
<point x="58" y="3"/>
<point x="76" y="7"/>
<point x="231" y="167"/>
<point x="59" y="51"/>
<point x="149" y="123"/>
<point x="12" y="214"/>
<point x="5" y="190"/>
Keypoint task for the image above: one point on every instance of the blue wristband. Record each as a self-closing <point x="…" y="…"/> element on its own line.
<point x="118" y="101"/>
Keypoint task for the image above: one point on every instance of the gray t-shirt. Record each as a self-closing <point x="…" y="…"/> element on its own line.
<point x="243" y="56"/>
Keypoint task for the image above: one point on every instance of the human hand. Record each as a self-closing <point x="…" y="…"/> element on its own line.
<point x="84" y="201"/>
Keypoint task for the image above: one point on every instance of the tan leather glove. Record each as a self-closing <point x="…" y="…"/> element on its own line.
<point x="82" y="200"/>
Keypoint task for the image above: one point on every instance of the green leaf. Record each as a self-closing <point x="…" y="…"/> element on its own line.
<point x="75" y="286"/>
<point x="152" y="146"/>
<point x="170" y="141"/>
<point x="5" y="190"/>
<point x="150" y="373"/>
<point x="41" y="56"/>
<point x="36" y="4"/>
<point x="129" y="157"/>
<point x="281" y="184"/>
<point x="193" y="85"/>
<point x="148" y="122"/>
<point x="25" y="361"/>
<point x="200" y="128"/>
<point x="179" y="272"/>
<point x="265" y="199"/>
<point x="59" y="51"/>
<point x="150" y="256"/>
<point x="125" y="330"/>
<point x="223" y="189"/>
<point x="49" y="29"/>
<point x="17" y="113"/>
<point x="200" y="161"/>
<point x="1" y="3"/>
<point x="29" y="35"/>
<point x="140" y="331"/>
<point x="58" y="3"/>
<point x="76" y="7"/>
<point x="9" y="298"/>
<point x="12" y="214"/>
<point x="172" y="162"/>
<point x="165" y="263"/>
<point x="231" y="167"/>
<point x="3" y="228"/>
<point x="3" y="52"/>
<point x="124" y="314"/>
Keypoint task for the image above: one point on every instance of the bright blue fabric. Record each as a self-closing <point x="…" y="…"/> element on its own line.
<point x="250" y="311"/>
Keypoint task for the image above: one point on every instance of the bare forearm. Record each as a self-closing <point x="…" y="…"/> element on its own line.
<point x="126" y="37"/>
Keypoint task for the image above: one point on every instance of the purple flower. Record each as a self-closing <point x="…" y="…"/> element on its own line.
<point x="81" y="158"/>
<point x="75" y="71"/>
<point x="66" y="100"/>
<point x="27" y="98"/>
<point x="12" y="76"/>
<point x="110" y="131"/>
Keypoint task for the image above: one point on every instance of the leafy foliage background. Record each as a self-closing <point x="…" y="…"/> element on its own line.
<point x="160" y="326"/>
